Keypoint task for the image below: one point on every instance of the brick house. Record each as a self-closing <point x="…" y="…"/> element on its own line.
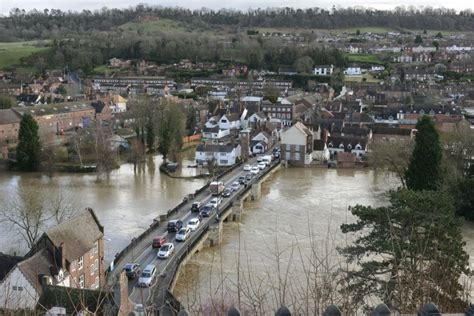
<point x="53" y="118"/>
<point x="282" y="110"/>
<point x="297" y="144"/>
<point x="9" y="125"/>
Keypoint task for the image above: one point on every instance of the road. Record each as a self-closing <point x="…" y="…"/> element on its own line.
<point x="144" y="254"/>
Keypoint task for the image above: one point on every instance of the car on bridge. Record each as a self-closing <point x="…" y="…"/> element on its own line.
<point x="236" y="185"/>
<point x="196" y="207"/>
<point x="216" y="202"/>
<point x="241" y="181"/>
<point x="183" y="234"/>
<point x="194" y="223"/>
<point x="247" y="167"/>
<point x="174" y="225"/>
<point x="147" y="276"/>
<point x="132" y="270"/>
<point x="255" y="170"/>
<point x="248" y="177"/>
<point x="207" y="210"/>
<point x="158" y="241"/>
<point x="165" y="251"/>
<point x="262" y="165"/>
<point x="227" y="192"/>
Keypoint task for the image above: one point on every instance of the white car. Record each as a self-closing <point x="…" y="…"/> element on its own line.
<point x="194" y="223"/>
<point x="262" y="165"/>
<point x="183" y="234"/>
<point x="247" y="167"/>
<point x="255" y="170"/>
<point x="235" y="185"/>
<point x="215" y="202"/>
<point x="147" y="276"/>
<point x="165" y="251"/>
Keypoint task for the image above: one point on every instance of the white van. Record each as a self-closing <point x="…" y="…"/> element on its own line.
<point x="147" y="276"/>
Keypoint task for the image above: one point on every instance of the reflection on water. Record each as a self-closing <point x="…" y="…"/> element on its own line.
<point x="125" y="202"/>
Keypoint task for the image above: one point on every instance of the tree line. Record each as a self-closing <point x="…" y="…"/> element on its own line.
<point x="51" y="23"/>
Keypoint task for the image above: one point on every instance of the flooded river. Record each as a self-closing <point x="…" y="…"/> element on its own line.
<point x="125" y="203"/>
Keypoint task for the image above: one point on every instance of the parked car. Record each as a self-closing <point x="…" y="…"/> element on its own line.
<point x="227" y="192"/>
<point x="241" y="180"/>
<point x="216" y="201"/>
<point x="236" y="185"/>
<point x="207" y="210"/>
<point x="183" y="234"/>
<point x="132" y="270"/>
<point x="247" y="167"/>
<point x="194" y="223"/>
<point x="262" y="165"/>
<point x="259" y="158"/>
<point x="147" y="276"/>
<point x="158" y="241"/>
<point x="174" y="225"/>
<point x="255" y="170"/>
<point x="166" y="250"/>
<point x="196" y="206"/>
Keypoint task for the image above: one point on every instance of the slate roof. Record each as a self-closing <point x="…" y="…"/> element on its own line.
<point x="391" y="131"/>
<point x="336" y="141"/>
<point x="79" y="234"/>
<point x="318" y="144"/>
<point x="7" y="263"/>
<point x="303" y="128"/>
<point x="214" y="148"/>
<point x="55" y="108"/>
<point x="9" y="116"/>
<point x="358" y="131"/>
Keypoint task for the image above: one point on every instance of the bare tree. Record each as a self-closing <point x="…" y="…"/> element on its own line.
<point x="29" y="214"/>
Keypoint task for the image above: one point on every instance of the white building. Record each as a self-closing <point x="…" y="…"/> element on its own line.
<point x="223" y="155"/>
<point x="324" y="70"/>
<point x="118" y="104"/>
<point x="261" y="142"/>
<point x="214" y="134"/>
<point x="353" y="71"/>
<point x="229" y="121"/>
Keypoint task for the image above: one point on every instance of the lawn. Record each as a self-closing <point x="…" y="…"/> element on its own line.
<point x="364" y="58"/>
<point x="11" y="53"/>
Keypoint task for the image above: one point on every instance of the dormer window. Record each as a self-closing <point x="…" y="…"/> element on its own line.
<point x="349" y="146"/>
<point x="358" y="147"/>
<point x="341" y="145"/>
<point x="422" y="112"/>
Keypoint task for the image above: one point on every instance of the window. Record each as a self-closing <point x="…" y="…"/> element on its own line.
<point x="297" y="147"/>
<point x="287" y="155"/>
<point x="81" y="281"/>
<point x="297" y="156"/>
<point x="92" y="269"/>
<point x="96" y="282"/>
<point x="80" y="262"/>
<point x="96" y="264"/>
<point x="17" y="288"/>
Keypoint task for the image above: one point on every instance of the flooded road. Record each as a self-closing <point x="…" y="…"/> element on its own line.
<point x="125" y="203"/>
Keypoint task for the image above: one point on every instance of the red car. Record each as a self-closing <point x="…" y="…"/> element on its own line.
<point x="158" y="241"/>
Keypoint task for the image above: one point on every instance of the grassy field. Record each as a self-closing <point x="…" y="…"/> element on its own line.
<point x="364" y="58"/>
<point x="11" y="53"/>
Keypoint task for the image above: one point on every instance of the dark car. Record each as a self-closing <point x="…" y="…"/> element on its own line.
<point x="242" y="180"/>
<point x="207" y="210"/>
<point x="174" y="225"/>
<point x="158" y="241"/>
<point x="227" y="192"/>
<point x="248" y="177"/>
<point x="132" y="270"/>
<point x="196" y="206"/>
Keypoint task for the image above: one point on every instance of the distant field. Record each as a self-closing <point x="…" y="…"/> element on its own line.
<point x="11" y="53"/>
<point x="363" y="58"/>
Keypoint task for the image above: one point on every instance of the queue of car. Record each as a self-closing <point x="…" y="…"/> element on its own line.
<point x="166" y="248"/>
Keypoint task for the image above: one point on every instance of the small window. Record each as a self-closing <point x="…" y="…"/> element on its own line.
<point x="80" y="262"/>
<point x="81" y="281"/>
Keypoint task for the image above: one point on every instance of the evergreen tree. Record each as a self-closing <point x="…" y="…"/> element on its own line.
<point x="150" y="135"/>
<point x="418" y="39"/>
<point x="29" y="147"/>
<point x="424" y="170"/>
<point x="407" y="252"/>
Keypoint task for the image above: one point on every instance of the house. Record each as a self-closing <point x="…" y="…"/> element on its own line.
<point x="251" y="103"/>
<point x="282" y="110"/>
<point x="80" y="242"/>
<point x="118" y="104"/>
<point x="256" y="119"/>
<point x="297" y="144"/>
<point x="324" y="70"/>
<point x="381" y="133"/>
<point x="9" y="125"/>
<point x="337" y="145"/>
<point x="214" y="134"/>
<point x="229" y="121"/>
<point x="119" y="63"/>
<point x="261" y="142"/>
<point x="320" y="150"/>
<point x="223" y="155"/>
<point x="353" y="71"/>
<point x="103" y="112"/>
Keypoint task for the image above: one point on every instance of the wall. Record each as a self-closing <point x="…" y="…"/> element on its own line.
<point x="14" y="299"/>
<point x="9" y="132"/>
<point x="92" y="269"/>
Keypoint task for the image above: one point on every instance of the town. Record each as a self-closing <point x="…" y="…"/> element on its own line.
<point x="235" y="107"/>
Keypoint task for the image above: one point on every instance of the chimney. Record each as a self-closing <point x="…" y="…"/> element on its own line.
<point x="62" y="254"/>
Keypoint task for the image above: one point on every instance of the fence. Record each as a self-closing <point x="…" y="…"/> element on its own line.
<point x="428" y="309"/>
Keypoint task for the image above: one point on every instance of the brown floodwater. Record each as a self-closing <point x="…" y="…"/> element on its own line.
<point x="126" y="202"/>
<point x="284" y="249"/>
